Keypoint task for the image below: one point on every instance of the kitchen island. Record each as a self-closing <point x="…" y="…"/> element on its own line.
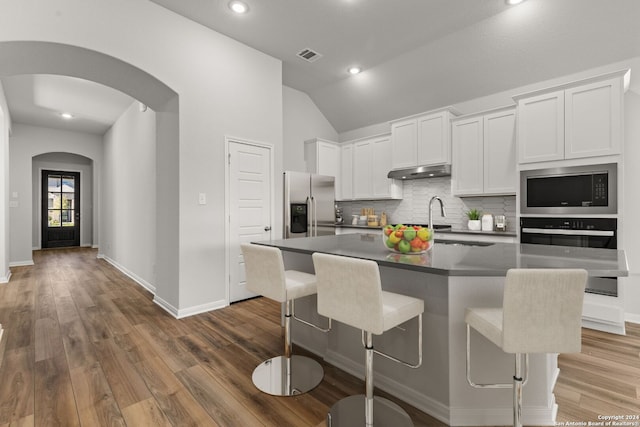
<point x="448" y="278"/>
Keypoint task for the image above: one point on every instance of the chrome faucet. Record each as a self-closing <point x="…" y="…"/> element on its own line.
<point x="442" y="212"/>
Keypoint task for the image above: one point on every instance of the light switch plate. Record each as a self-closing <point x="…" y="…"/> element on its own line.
<point x="202" y="198"/>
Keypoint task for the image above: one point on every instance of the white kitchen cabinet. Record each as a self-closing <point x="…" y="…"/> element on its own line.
<point x="362" y="158"/>
<point x="422" y="140"/>
<point x="405" y="143"/>
<point x="500" y="169"/>
<point x="578" y="120"/>
<point x="322" y="157"/>
<point x="371" y="164"/>
<point x="345" y="192"/>
<point x="593" y="119"/>
<point x="484" y="161"/>
<point x="541" y="128"/>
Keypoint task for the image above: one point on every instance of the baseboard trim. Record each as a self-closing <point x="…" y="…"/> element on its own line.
<point x="166" y="306"/>
<point x="420" y="401"/>
<point x="6" y="277"/>
<point x="94" y="246"/>
<point x="140" y="281"/>
<point x="632" y="318"/>
<point x="21" y="263"/>
<point x="202" y="308"/>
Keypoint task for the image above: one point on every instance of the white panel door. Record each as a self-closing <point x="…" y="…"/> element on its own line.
<point x="250" y="199"/>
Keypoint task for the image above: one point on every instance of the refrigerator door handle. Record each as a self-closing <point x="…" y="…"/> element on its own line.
<point x="309" y="217"/>
<point x="315" y="217"/>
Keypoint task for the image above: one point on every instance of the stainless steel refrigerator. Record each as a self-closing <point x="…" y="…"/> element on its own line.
<point x="309" y="205"/>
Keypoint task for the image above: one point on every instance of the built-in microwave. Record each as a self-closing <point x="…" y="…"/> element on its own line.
<point x="570" y="190"/>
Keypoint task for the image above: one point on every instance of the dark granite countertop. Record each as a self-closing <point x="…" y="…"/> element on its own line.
<point x="450" y="258"/>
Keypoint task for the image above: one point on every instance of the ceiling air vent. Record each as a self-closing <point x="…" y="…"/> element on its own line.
<point x="309" y="55"/>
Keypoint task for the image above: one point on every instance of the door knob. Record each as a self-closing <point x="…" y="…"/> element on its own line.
<point x="267" y="228"/>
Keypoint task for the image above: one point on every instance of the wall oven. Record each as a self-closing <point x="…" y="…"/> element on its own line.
<point x="582" y="232"/>
<point x="577" y="190"/>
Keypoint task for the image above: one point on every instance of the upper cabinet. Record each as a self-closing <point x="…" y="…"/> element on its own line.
<point x="322" y="157"/>
<point x="583" y="119"/>
<point x="345" y="192"/>
<point x="371" y="163"/>
<point x="422" y="140"/>
<point x="484" y="154"/>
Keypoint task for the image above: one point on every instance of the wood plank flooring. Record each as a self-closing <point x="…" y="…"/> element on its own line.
<point x="83" y="345"/>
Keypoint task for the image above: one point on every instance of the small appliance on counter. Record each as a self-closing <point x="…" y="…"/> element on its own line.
<point x="487" y="222"/>
<point x="500" y="223"/>
<point x="339" y="218"/>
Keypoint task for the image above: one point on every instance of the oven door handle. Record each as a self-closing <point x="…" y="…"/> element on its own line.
<point x="569" y="232"/>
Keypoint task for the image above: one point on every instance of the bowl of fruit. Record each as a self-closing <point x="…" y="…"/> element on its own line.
<point x="407" y="239"/>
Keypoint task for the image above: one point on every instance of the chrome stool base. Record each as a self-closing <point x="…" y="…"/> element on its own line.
<point x="281" y="376"/>
<point x="350" y="412"/>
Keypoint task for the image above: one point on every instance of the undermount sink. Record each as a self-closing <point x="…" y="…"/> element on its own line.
<point x="462" y="243"/>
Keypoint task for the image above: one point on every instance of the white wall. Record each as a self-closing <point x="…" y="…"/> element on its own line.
<point x="223" y="88"/>
<point x="302" y="120"/>
<point x="5" y="272"/>
<point x="69" y="163"/>
<point x="26" y="142"/>
<point x="128" y="197"/>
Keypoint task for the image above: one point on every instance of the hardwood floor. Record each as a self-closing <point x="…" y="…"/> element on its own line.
<point x="84" y="345"/>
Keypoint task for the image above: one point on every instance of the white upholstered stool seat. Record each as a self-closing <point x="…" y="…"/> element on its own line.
<point x="298" y="284"/>
<point x="541" y="313"/>
<point x="288" y="374"/>
<point x="350" y="291"/>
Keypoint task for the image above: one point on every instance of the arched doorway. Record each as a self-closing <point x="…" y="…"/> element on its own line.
<point x="34" y="57"/>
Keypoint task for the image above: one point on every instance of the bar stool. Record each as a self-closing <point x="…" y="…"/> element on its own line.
<point x="349" y="291"/>
<point x="541" y="313"/>
<point x="289" y="374"/>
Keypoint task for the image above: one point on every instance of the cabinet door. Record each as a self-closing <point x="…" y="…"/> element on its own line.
<point x="541" y="128"/>
<point x="593" y="125"/>
<point x="346" y="172"/>
<point x="467" y="167"/>
<point x="362" y="158"/>
<point x="380" y="167"/>
<point x="434" y="146"/>
<point x="500" y="153"/>
<point x="404" y="135"/>
<point x="328" y="159"/>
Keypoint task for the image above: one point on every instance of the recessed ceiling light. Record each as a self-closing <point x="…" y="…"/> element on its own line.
<point x="513" y="2"/>
<point x="66" y="116"/>
<point x="238" y="7"/>
<point x="354" y="70"/>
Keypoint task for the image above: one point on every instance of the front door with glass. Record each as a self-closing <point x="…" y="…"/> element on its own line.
<point x="60" y="209"/>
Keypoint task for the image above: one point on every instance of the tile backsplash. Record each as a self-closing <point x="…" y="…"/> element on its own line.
<point x="414" y="207"/>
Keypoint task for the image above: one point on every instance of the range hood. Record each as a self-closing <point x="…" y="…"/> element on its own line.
<point x="421" y="172"/>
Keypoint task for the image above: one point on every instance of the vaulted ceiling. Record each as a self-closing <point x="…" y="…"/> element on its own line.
<point x="422" y="54"/>
<point x="416" y="55"/>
